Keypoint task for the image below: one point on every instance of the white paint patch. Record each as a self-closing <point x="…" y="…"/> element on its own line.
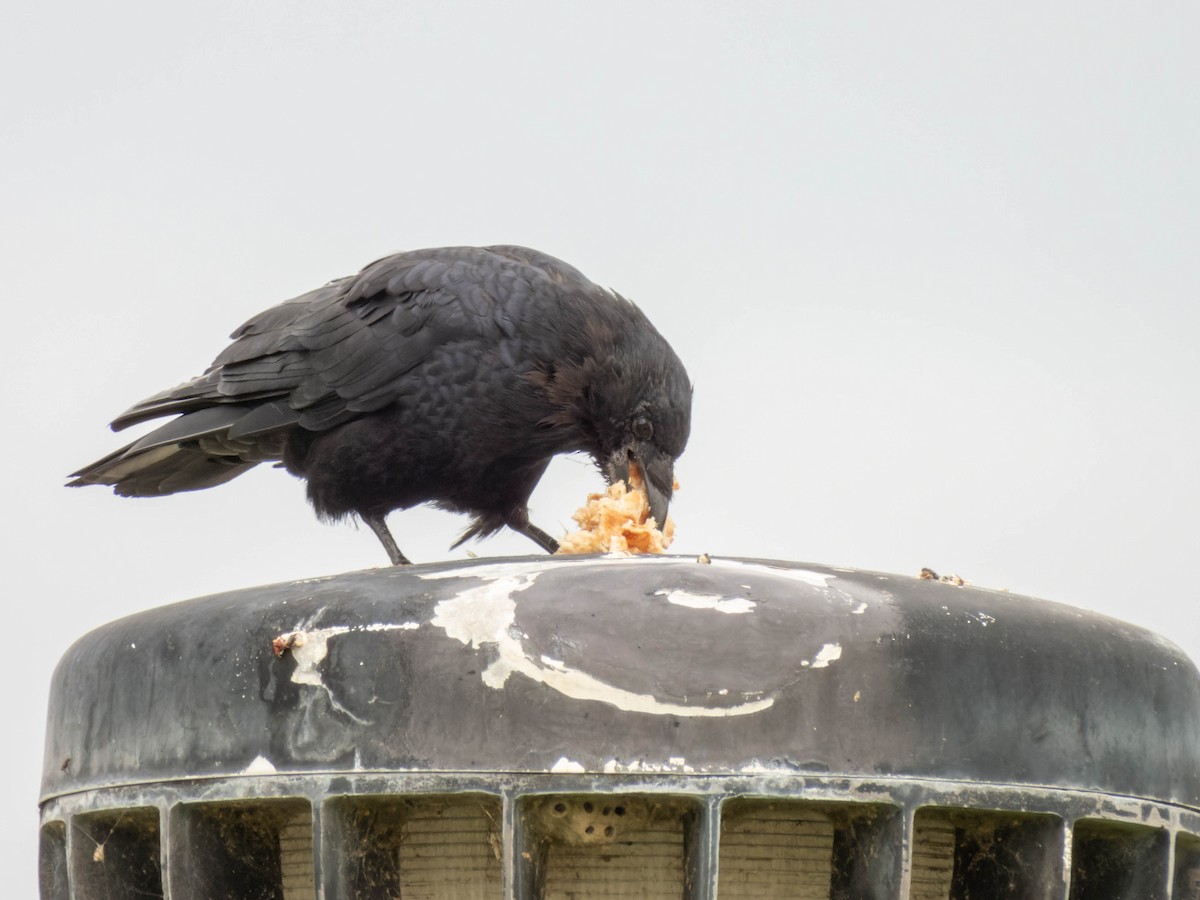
<point x="582" y="686"/>
<point x="260" y="765"/>
<point x="309" y="647"/>
<point x="730" y="605"/>
<point x="827" y="654"/>
<point x="481" y="615"/>
<point x="815" y="579"/>
<point x="485" y="615"/>
<point x="567" y="766"/>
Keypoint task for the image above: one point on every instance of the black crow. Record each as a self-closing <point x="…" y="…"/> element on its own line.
<point x="448" y="376"/>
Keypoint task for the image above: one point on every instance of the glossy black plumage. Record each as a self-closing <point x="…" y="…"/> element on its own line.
<point x="449" y="376"/>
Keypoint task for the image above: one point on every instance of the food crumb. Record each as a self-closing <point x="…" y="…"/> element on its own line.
<point x="618" y="521"/>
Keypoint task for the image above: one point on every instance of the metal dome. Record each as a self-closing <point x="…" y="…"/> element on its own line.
<point x="703" y="693"/>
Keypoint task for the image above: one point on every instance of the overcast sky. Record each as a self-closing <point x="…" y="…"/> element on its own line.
<point x="934" y="270"/>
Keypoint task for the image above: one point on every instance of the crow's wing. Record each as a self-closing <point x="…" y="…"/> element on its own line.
<point x="334" y="354"/>
<point x="339" y="351"/>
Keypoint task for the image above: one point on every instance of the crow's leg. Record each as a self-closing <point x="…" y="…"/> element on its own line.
<point x="379" y="526"/>
<point x="539" y="537"/>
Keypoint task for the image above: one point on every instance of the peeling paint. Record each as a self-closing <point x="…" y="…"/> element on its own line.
<point x="310" y="646"/>
<point x="481" y="615"/>
<point x="827" y="654"/>
<point x="582" y="686"/>
<point x="260" y="765"/>
<point x="731" y="605"/>
<point x="567" y="766"/>
<point x="485" y="615"/>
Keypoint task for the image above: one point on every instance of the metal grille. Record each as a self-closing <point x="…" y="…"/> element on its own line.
<point x="653" y="838"/>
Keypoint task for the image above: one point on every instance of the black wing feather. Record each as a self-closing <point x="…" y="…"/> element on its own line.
<point x="329" y="356"/>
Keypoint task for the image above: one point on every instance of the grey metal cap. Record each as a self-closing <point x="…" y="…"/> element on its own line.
<point x="600" y="665"/>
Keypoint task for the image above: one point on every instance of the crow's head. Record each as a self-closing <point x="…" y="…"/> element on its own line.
<point x="628" y="402"/>
<point x="647" y="417"/>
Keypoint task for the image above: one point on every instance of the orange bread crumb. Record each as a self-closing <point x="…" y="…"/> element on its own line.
<point x="618" y="521"/>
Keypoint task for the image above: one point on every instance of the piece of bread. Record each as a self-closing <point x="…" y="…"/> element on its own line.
<point x="618" y="521"/>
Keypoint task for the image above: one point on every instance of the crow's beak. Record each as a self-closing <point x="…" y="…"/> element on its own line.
<point x="658" y="475"/>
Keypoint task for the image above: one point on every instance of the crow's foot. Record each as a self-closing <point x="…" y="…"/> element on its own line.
<point x="379" y="526"/>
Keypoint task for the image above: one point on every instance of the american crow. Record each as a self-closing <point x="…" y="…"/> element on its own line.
<point x="448" y="376"/>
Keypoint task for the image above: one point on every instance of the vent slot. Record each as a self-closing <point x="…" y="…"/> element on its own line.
<point x="420" y="848"/>
<point x="605" y="847"/>
<point x="1116" y="861"/>
<point x="231" y="851"/>
<point x="775" y="850"/>
<point x="808" y="851"/>
<point x="961" y="854"/>
<point x="115" y="855"/>
<point x="931" y="871"/>
<point x="1187" y="867"/>
<point x="52" y="862"/>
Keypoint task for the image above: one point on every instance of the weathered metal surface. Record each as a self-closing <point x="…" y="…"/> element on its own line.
<point x="604" y="665"/>
<point x="535" y="729"/>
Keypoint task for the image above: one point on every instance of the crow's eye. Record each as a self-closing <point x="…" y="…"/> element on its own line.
<point x="642" y="429"/>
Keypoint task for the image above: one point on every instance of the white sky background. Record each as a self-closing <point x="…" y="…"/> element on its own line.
<point x="934" y="270"/>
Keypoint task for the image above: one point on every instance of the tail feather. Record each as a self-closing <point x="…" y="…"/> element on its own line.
<point x="161" y="470"/>
<point x="199" y="393"/>
<point x="191" y="452"/>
